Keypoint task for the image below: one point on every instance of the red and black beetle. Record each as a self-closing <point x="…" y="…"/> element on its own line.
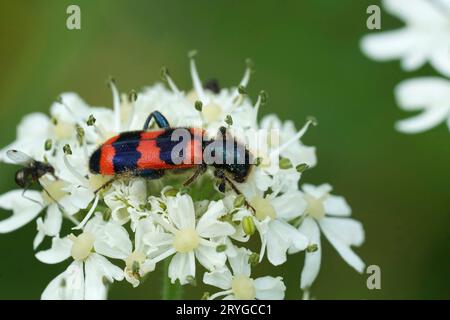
<point x="150" y="153"/>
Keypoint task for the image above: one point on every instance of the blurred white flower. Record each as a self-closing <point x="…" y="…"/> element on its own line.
<point x="425" y="36"/>
<point x="238" y="284"/>
<point x="24" y="210"/>
<point x="330" y="214"/>
<point x="431" y="95"/>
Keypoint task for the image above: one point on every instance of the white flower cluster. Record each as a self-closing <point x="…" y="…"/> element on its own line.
<point x="124" y="230"/>
<point x="424" y="38"/>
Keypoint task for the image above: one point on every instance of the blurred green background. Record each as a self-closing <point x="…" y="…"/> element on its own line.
<point x="308" y="59"/>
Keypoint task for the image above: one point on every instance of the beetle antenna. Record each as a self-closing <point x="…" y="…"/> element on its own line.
<point x="107" y="183"/>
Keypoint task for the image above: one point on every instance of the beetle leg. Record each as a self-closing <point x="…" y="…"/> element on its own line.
<point x="200" y="170"/>
<point x="160" y="120"/>
<point x="220" y="174"/>
<point x="238" y="192"/>
<point x="107" y="183"/>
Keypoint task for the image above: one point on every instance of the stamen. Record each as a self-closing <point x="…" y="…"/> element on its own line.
<point x="198" y="87"/>
<point x="262" y="98"/>
<point x="116" y="103"/>
<point x="89" y="214"/>
<point x="295" y="138"/>
<point x="166" y="77"/>
<point x="132" y="97"/>
<point x="243" y="84"/>
<point x="91" y="122"/>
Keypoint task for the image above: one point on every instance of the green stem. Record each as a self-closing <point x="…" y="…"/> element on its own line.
<point x="170" y="291"/>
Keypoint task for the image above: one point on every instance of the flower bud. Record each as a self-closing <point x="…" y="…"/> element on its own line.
<point x="67" y="150"/>
<point x="253" y="259"/>
<point x="91" y="120"/>
<point x="285" y="163"/>
<point x="302" y="167"/>
<point x="198" y="105"/>
<point x="229" y="120"/>
<point x="221" y="248"/>
<point x="48" y="144"/>
<point x="248" y="225"/>
<point x="132" y="96"/>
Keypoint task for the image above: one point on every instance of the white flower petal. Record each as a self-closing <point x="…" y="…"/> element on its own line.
<point x="182" y="266"/>
<point x="348" y="230"/>
<point x="97" y="270"/>
<point x="181" y="211"/>
<point x="59" y="251"/>
<point x="280" y="237"/>
<point x="342" y="233"/>
<point x="269" y="288"/>
<point x="220" y="278"/>
<point x="72" y="106"/>
<point x="415" y="12"/>
<point x="38" y="123"/>
<point x="441" y="61"/>
<point x="239" y="263"/>
<point x="69" y="285"/>
<point x="40" y="235"/>
<point x="24" y="210"/>
<point x="111" y="240"/>
<point x="80" y="197"/>
<point x="423" y="92"/>
<point x="388" y="45"/>
<point x="317" y="192"/>
<point x="424" y="121"/>
<point x="337" y="206"/>
<point x="289" y="205"/>
<point x="312" y="259"/>
<point x="209" y="257"/>
<point x="157" y="239"/>
<point x="208" y="226"/>
<point x="138" y="191"/>
<point x="262" y="180"/>
<point x="53" y="220"/>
